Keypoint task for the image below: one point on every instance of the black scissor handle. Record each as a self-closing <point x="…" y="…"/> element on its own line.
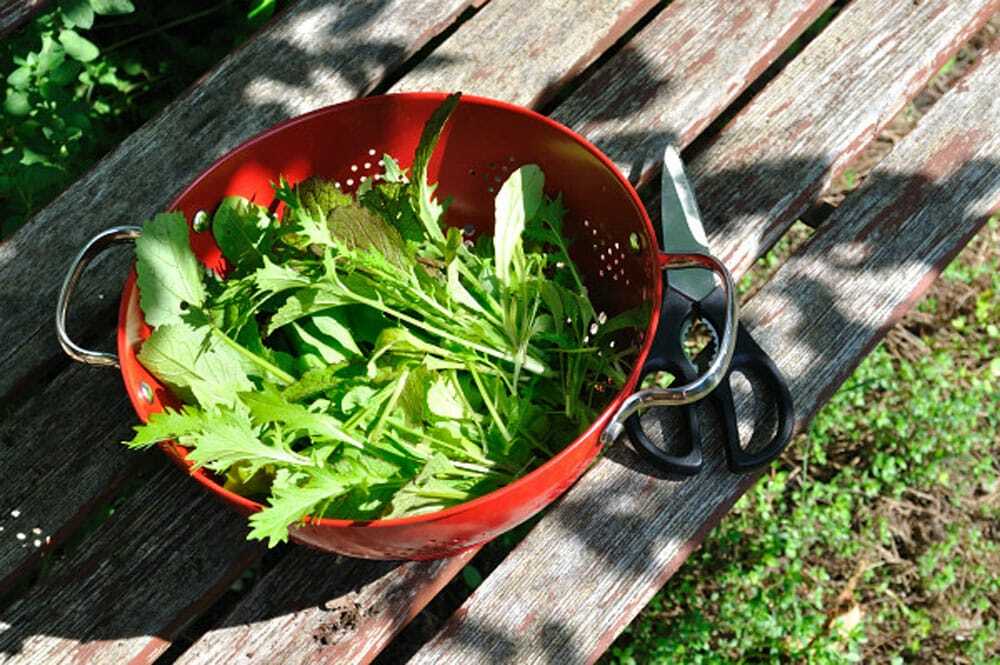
<point x="667" y="355"/>
<point x="687" y="463"/>
<point x="753" y="361"/>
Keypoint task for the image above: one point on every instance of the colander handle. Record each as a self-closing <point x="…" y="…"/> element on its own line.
<point x="716" y="372"/>
<point x="97" y="244"/>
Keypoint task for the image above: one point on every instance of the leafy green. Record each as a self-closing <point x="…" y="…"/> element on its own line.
<point x="78" y="47"/>
<point x="191" y="360"/>
<point x="83" y="74"/>
<point x="518" y="201"/>
<point x="169" y="277"/>
<point x="360" y="229"/>
<point x="112" y="6"/>
<point x="227" y="437"/>
<point x="293" y="496"/>
<point x="359" y="362"/>
<point x="422" y="199"/>
<point x="243" y="231"/>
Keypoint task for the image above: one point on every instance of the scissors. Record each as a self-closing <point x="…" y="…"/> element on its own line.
<point x="691" y="294"/>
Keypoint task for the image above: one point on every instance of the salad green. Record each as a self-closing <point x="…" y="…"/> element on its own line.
<point x="360" y="359"/>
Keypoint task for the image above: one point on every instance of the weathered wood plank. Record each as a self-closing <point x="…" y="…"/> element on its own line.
<point x="134" y="583"/>
<point x="642" y="97"/>
<point x="619" y="535"/>
<point x="314" y="608"/>
<point x="316" y="53"/>
<point x="559" y="40"/>
<point x="15" y="13"/>
<point x="61" y="456"/>
<point x="827" y="106"/>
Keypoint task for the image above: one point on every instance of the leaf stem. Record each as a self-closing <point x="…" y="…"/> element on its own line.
<point x="489" y="404"/>
<point x="277" y="372"/>
<point x="531" y="364"/>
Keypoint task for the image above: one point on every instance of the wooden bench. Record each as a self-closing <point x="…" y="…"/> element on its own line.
<point x="629" y="76"/>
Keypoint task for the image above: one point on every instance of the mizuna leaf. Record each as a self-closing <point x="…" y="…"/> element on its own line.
<point x="422" y="194"/>
<point x="269" y="405"/>
<point x="169" y="275"/>
<point x="426" y="492"/>
<point x="228" y="438"/>
<point x="516" y="202"/>
<point x="275" y="278"/>
<point x="293" y="496"/>
<point x="166" y="425"/>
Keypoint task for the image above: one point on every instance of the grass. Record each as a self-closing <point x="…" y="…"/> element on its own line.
<point x="876" y="537"/>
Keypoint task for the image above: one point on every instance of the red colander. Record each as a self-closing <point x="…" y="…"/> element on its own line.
<point x="612" y="241"/>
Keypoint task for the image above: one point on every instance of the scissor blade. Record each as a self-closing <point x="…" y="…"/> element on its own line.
<point x="682" y="228"/>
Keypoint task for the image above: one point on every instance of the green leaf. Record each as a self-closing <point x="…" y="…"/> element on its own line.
<point x="305" y="302"/>
<point x="293" y="496"/>
<point x="360" y="229"/>
<point x="444" y="401"/>
<point x="422" y="196"/>
<point x="169" y="275"/>
<point x="261" y="11"/>
<point x="425" y="492"/>
<point x="20" y="78"/>
<point x="229" y="438"/>
<point x="356" y="397"/>
<point x="112" y="7"/>
<point x="314" y="382"/>
<point x="243" y="231"/>
<point x="391" y="201"/>
<point x="393" y="173"/>
<point x="333" y="324"/>
<point x="458" y="292"/>
<point x="309" y="339"/>
<point x="78" y="13"/>
<point x="275" y="278"/>
<point x="269" y="405"/>
<point x="64" y="74"/>
<point x="321" y="194"/>
<point x="77" y="46"/>
<point x="49" y="57"/>
<point x="166" y="425"/>
<point x="516" y="202"/>
<point x="17" y="103"/>
<point x="192" y="360"/>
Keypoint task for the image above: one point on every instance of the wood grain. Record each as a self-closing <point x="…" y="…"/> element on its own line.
<point x="677" y="74"/>
<point x="775" y="158"/>
<point x="314" y="608"/>
<point x="558" y="40"/>
<point x="316" y="53"/>
<point x="15" y="13"/>
<point x="619" y="534"/>
<point x="54" y="469"/>
<point x="134" y="583"/>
